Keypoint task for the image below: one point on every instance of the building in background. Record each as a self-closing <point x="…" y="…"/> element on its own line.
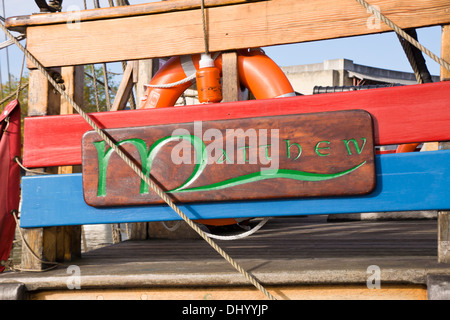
<point x="343" y="72"/>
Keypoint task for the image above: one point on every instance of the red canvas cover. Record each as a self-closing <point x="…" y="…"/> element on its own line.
<point x="9" y="175"/>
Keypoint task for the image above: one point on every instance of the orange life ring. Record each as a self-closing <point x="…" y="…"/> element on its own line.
<point x="257" y="72"/>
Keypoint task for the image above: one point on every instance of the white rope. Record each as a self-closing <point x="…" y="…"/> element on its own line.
<point x="171" y="85"/>
<point x="173" y="228"/>
<point x="241" y="235"/>
<point x="191" y="78"/>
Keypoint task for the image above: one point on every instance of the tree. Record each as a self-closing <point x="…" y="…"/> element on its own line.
<point x="8" y="92"/>
<point x="94" y="91"/>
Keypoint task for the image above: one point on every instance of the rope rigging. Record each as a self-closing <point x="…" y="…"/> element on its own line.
<point x="403" y="34"/>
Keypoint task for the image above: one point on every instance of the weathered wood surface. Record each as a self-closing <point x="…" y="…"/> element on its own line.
<point x="445" y="51"/>
<point x="54" y="243"/>
<point x="318" y="154"/>
<point x="398" y="115"/>
<point x="287" y="251"/>
<point x="115" y="12"/>
<point x="421" y="176"/>
<point x="129" y="78"/>
<point x="239" y="26"/>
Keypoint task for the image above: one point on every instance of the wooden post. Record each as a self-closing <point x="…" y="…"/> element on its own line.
<point x="52" y="244"/>
<point x="42" y="100"/>
<point x="146" y="69"/>
<point x="445" y="51"/>
<point x="230" y="85"/>
<point x="126" y="86"/>
<point x="444" y="216"/>
<point x="68" y="244"/>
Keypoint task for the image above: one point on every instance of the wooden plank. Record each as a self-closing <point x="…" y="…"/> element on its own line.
<point x="405" y="182"/>
<point x="68" y="245"/>
<point x="443" y="236"/>
<point x="445" y="51"/>
<point x="398" y="115"/>
<point x="42" y="100"/>
<point x="309" y="155"/>
<point x="230" y="82"/>
<point x="125" y="88"/>
<point x="20" y="22"/>
<point x="301" y="251"/>
<point x="232" y="27"/>
<point x="74" y="85"/>
<point x="315" y="292"/>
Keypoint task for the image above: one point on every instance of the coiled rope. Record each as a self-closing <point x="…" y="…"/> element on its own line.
<point x="135" y="168"/>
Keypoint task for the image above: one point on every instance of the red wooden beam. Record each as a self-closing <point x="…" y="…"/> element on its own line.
<point x="417" y="113"/>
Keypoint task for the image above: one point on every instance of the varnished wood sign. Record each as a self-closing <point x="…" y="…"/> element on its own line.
<point x="306" y="155"/>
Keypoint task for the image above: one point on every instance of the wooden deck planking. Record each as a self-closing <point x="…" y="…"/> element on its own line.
<point x="301" y="252"/>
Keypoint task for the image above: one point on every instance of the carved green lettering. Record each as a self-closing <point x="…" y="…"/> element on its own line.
<point x="147" y="159"/>
<point x="244" y="153"/>
<point x="104" y="156"/>
<point x="288" y="147"/>
<point x="355" y="143"/>
<point x="266" y="152"/>
<point x="223" y="157"/>
<point x="317" y="149"/>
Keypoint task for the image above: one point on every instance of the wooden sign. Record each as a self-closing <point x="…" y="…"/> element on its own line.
<point x="307" y="155"/>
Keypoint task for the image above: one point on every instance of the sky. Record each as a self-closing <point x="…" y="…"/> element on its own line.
<point x="378" y="50"/>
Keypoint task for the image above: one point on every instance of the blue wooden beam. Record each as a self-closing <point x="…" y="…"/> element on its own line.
<point x="405" y="182"/>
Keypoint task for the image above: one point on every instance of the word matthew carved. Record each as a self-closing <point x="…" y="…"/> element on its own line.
<point x="318" y="154"/>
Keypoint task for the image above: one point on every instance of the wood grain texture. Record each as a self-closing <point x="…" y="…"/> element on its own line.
<point x="232" y="27"/>
<point x="125" y="87"/>
<point x="16" y="23"/>
<point x="309" y="155"/>
<point x="297" y="252"/>
<point x="230" y="82"/>
<point x="318" y="292"/>
<point x="398" y="115"/>
<point x="445" y="51"/>
<point x="405" y="182"/>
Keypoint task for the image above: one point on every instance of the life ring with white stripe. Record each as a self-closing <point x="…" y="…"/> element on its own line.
<point x="257" y="72"/>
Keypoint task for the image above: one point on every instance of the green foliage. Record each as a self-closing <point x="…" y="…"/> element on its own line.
<point x="10" y="89"/>
<point x="90" y="101"/>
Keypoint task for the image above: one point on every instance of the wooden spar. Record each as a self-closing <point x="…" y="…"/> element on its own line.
<point x="243" y="25"/>
<point x="21" y="22"/>
<point x="421" y="176"/>
<point x="398" y="118"/>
